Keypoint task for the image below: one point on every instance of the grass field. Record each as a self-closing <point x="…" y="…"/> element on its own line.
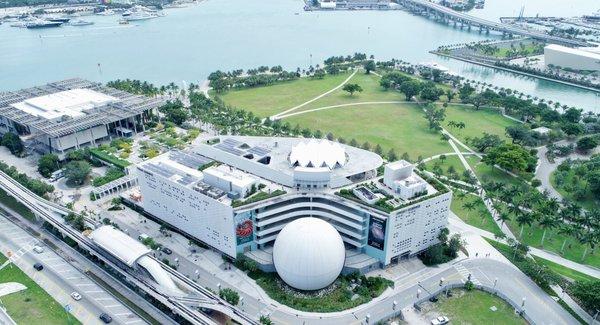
<point x="451" y="160"/>
<point x="564" y="271"/>
<point x="588" y="202"/>
<point x="33" y="305"/>
<point x="266" y="101"/>
<point x="398" y="126"/>
<point x="477" y="122"/>
<point x="372" y="92"/>
<point x="473" y="307"/>
<point x="479" y="217"/>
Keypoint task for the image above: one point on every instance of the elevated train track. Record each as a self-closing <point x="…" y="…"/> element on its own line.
<point x="183" y="306"/>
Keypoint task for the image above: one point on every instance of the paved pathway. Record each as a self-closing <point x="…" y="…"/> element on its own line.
<point x="342" y="105"/>
<point x="277" y="116"/>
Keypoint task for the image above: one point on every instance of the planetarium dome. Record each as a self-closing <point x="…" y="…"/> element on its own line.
<point x="318" y="153"/>
<point x="309" y="254"/>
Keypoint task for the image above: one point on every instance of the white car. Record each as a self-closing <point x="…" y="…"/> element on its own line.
<point x="75" y="295"/>
<point x="440" y="320"/>
<point x="38" y="249"/>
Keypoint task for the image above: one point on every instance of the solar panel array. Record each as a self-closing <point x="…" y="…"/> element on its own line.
<point x="233" y="146"/>
<point x="188" y="160"/>
<point x="259" y="151"/>
<point x="160" y="170"/>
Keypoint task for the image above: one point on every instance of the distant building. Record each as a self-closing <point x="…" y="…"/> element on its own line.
<point x="237" y="194"/>
<point x="572" y="58"/>
<point x="72" y="114"/>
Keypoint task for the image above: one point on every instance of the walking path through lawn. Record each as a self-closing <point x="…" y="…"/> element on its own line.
<point x="277" y="116"/>
<point x="343" y="105"/>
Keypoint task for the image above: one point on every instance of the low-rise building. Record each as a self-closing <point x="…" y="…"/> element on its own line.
<point x="74" y="113"/>
<point x="572" y="58"/>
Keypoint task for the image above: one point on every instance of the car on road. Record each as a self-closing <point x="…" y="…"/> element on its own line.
<point x="38" y="266"/>
<point x="75" y="295"/>
<point x="38" y="249"/>
<point x="105" y="318"/>
<point x="440" y="320"/>
<point x="166" y="250"/>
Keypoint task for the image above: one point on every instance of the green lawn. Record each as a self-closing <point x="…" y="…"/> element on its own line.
<point x="490" y="173"/>
<point x="573" y="250"/>
<point x="33" y="305"/>
<point x="588" y="201"/>
<point x="477" y="122"/>
<point x="564" y="271"/>
<point x="479" y="217"/>
<point x="398" y="126"/>
<point x="473" y="307"/>
<point x="372" y="92"/>
<point x="270" y="100"/>
<point x="451" y="160"/>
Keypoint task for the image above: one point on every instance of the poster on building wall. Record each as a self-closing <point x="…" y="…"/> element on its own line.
<point x="376" y="233"/>
<point x="244" y="229"/>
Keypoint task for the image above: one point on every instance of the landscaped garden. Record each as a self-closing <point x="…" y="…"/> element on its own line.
<point x="470" y="209"/>
<point x="346" y="292"/>
<point x="474" y="307"/>
<point x="32" y="305"/>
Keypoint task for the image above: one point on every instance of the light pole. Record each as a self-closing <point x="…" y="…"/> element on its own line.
<point x="523" y="305"/>
<point x="595" y="315"/>
<point x="495" y="282"/>
<point x="197" y="272"/>
<point x="367" y="317"/>
<point x="394" y="305"/>
<point x="418" y="293"/>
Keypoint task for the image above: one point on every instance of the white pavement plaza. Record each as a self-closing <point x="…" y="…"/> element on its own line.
<point x="60" y="279"/>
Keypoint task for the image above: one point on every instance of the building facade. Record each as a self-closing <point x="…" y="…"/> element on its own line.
<point x="283" y="182"/>
<point x="571" y="58"/>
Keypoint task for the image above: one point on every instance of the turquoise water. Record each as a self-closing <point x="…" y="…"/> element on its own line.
<point x="189" y="43"/>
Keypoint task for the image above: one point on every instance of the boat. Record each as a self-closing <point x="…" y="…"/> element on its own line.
<point x="107" y="12"/>
<point x="434" y="65"/>
<point x="57" y="19"/>
<point x="81" y="22"/>
<point x="40" y="23"/>
<point x="123" y="21"/>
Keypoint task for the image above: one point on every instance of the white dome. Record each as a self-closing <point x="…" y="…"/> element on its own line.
<point x="318" y="153"/>
<point x="309" y="254"/>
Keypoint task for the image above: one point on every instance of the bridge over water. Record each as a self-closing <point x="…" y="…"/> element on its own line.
<point x="446" y="14"/>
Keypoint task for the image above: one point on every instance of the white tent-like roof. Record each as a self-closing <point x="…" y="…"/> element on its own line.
<point x="318" y="153"/>
<point x="119" y="244"/>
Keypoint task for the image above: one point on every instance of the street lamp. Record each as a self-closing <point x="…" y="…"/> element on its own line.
<point x="523" y="305"/>
<point x="495" y="282"/>
<point x="367" y="317"/>
<point x="418" y="293"/>
<point x="219" y="286"/>
<point x="197" y="272"/>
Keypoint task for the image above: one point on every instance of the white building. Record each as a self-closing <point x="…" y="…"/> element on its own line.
<point x="379" y="219"/>
<point x="572" y="58"/>
<point x="71" y="114"/>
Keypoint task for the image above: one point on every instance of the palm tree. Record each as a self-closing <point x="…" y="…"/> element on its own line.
<point x="524" y="218"/>
<point x="548" y="221"/>
<point x="503" y="217"/>
<point x="567" y="230"/>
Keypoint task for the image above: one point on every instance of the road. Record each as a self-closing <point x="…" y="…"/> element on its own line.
<point x="59" y="278"/>
<point x="212" y="272"/>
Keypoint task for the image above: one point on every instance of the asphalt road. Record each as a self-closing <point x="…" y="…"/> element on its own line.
<point x="516" y="285"/>
<point x="59" y="278"/>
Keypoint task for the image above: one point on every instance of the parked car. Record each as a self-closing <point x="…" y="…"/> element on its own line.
<point x="105" y="318"/>
<point x="440" y="320"/>
<point x="38" y="266"/>
<point x="38" y="249"/>
<point x="75" y="295"/>
<point x="166" y="250"/>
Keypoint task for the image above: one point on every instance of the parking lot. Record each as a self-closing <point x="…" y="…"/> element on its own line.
<point x="60" y="279"/>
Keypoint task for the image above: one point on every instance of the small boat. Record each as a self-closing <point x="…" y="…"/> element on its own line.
<point x="57" y="19"/>
<point x="81" y="22"/>
<point x="123" y="21"/>
<point x="140" y="15"/>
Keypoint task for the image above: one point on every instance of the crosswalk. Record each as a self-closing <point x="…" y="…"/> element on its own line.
<point x="465" y="274"/>
<point x="15" y="256"/>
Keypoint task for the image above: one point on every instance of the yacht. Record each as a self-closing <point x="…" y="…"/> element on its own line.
<point x="81" y="22"/>
<point x="41" y="23"/>
<point x="140" y="15"/>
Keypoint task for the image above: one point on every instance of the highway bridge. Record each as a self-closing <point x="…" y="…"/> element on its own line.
<point x="446" y="14"/>
<point x="185" y="306"/>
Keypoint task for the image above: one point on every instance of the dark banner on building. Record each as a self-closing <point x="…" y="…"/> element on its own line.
<point x="376" y="233"/>
<point x="244" y="230"/>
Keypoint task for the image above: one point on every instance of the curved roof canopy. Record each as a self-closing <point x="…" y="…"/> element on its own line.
<point x="318" y="153"/>
<point x="309" y="254"/>
<point x="119" y="244"/>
